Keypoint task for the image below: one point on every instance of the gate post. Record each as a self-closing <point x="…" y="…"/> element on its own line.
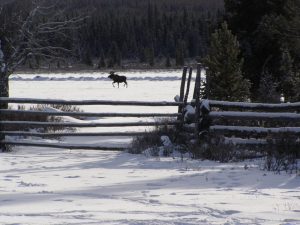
<point x="188" y="86"/>
<point x="197" y="101"/>
<point x="182" y="86"/>
<point x="2" y="136"/>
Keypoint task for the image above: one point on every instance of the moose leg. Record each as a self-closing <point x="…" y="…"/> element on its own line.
<point x="113" y="84"/>
<point x="118" y="85"/>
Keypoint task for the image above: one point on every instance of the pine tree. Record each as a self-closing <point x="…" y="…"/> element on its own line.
<point x="114" y="55"/>
<point x="180" y="53"/>
<point x="168" y="61"/>
<point x="101" y="63"/>
<point x="224" y="74"/>
<point x="290" y="80"/>
<point x="267" y="91"/>
<point x="150" y="55"/>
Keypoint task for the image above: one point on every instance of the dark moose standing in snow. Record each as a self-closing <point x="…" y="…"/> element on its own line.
<point x="117" y="79"/>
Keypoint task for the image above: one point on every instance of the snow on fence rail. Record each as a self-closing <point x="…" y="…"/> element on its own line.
<point x="255" y="106"/>
<point x="88" y="124"/>
<point x="214" y="117"/>
<point x="28" y="124"/>
<point x="87" y="102"/>
<point x="88" y="114"/>
<point x="63" y="145"/>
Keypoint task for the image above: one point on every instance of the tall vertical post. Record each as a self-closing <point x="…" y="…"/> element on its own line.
<point x="188" y="86"/>
<point x="2" y="137"/>
<point x="3" y="93"/>
<point x="197" y="101"/>
<point x="182" y="87"/>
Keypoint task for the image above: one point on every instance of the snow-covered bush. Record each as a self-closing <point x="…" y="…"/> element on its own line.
<point x="158" y="142"/>
<point x="283" y="152"/>
<point x="213" y="147"/>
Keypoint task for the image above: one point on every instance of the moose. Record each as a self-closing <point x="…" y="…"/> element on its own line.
<point x="118" y="79"/>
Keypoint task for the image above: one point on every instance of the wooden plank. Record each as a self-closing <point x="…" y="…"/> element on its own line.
<point x="295" y="117"/>
<point x="255" y="130"/>
<point x="255" y="106"/>
<point x="182" y="87"/>
<point x="73" y="134"/>
<point x="197" y="102"/>
<point x="64" y="145"/>
<point x="86" y="102"/>
<point x="245" y="142"/>
<point x="181" y="96"/>
<point x="188" y="86"/>
<point x="86" y="114"/>
<point x="89" y="124"/>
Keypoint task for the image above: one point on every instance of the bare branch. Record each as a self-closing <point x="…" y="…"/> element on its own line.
<point x="37" y="34"/>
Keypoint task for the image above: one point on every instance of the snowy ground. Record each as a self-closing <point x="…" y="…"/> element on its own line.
<point x="46" y="186"/>
<point x="49" y="186"/>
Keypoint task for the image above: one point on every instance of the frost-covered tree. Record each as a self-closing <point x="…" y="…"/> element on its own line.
<point x="36" y="33"/>
<point x="224" y="68"/>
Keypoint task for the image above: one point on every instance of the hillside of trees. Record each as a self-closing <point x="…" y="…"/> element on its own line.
<point x="157" y="32"/>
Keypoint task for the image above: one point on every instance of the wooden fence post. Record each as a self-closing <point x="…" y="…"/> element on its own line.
<point x="2" y="136"/>
<point x="182" y="86"/>
<point x="188" y="86"/>
<point x="197" y="101"/>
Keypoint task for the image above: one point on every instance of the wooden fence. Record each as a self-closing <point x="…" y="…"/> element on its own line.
<point x="241" y="123"/>
<point x="4" y="133"/>
<point x="250" y="123"/>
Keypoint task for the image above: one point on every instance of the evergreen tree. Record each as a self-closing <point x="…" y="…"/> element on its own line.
<point x="224" y="74"/>
<point x="290" y="80"/>
<point x="267" y="91"/>
<point x="114" y="55"/>
<point x="87" y="57"/>
<point x="180" y="53"/>
<point x="150" y="55"/>
<point x="168" y="61"/>
<point x="101" y="62"/>
<point x="263" y="29"/>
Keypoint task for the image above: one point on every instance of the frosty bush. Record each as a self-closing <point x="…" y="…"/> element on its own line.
<point x="283" y="152"/>
<point x="152" y="141"/>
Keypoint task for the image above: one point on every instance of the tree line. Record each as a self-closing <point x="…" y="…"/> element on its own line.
<point x="255" y="54"/>
<point x="119" y="31"/>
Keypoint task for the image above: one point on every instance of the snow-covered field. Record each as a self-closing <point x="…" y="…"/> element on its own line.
<point x="50" y="186"/>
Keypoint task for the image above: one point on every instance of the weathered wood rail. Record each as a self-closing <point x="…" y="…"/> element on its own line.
<point x="31" y="124"/>
<point x="237" y="129"/>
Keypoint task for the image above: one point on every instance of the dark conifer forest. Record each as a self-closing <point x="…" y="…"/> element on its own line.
<point x="164" y="32"/>
<point x="264" y="41"/>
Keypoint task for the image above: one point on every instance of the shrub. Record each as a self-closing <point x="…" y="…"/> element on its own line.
<point x="152" y="140"/>
<point x="283" y="152"/>
<point x="213" y="147"/>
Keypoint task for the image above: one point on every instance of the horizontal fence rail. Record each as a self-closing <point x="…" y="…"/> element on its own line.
<point x="239" y="132"/>
<point x="62" y="134"/>
<point x="65" y="145"/>
<point x="88" y="114"/>
<point x="258" y="130"/>
<point x="255" y="106"/>
<point x="4" y="124"/>
<point x="86" y="124"/>
<point x="87" y="102"/>
<point x="255" y="115"/>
